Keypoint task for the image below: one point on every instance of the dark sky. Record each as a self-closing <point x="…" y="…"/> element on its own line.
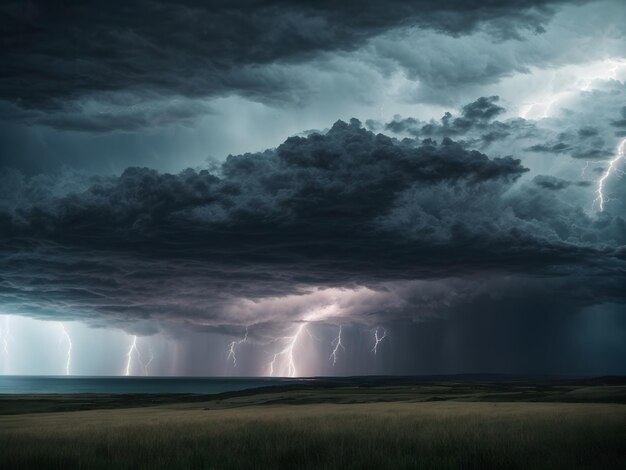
<point x="257" y="178"/>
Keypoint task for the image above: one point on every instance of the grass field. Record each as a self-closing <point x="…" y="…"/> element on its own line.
<point x="290" y="430"/>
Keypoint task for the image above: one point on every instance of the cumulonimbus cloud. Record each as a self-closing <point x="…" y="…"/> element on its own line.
<point x="346" y="209"/>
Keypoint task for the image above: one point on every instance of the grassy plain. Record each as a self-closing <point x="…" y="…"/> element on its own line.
<point x="396" y="427"/>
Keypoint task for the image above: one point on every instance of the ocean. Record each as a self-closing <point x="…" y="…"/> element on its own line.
<point x="12" y="384"/>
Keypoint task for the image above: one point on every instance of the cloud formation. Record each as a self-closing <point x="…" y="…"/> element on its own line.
<point x="468" y="221"/>
<point x="572" y="131"/>
<point x="348" y="209"/>
<point x="54" y="58"/>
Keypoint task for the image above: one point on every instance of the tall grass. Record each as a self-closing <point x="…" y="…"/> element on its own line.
<point x="381" y="435"/>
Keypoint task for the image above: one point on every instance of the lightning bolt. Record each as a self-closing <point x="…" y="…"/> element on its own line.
<point x="378" y="339"/>
<point x="147" y="364"/>
<point x="287" y="352"/>
<point x="620" y="153"/>
<point x="584" y="169"/>
<point x="547" y="105"/>
<point x="337" y="344"/>
<point x="129" y="355"/>
<point x="283" y="362"/>
<point x="68" y="353"/>
<point x="233" y="345"/>
<point x="604" y="70"/>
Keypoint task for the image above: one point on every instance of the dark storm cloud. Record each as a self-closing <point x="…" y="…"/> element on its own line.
<point x="476" y="115"/>
<point x="555" y="184"/>
<point x="118" y="118"/>
<point x="344" y="209"/>
<point x="54" y="56"/>
<point x="620" y="122"/>
<point x="575" y="146"/>
<point x="126" y="119"/>
<point x="585" y="132"/>
<point x="559" y="147"/>
<point x="483" y="109"/>
<point x="475" y="125"/>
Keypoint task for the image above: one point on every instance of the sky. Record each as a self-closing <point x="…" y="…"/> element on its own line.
<point x="296" y="188"/>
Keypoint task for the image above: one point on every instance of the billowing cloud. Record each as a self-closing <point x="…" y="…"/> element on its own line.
<point x="556" y="184"/>
<point x="348" y="210"/>
<point x="56" y="57"/>
<point x="471" y="219"/>
<point x="476" y="119"/>
<point x="573" y="131"/>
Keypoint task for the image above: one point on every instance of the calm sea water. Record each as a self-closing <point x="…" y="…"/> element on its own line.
<point x="58" y="384"/>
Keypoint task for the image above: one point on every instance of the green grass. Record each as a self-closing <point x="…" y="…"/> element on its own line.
<point x="449" y="434"/>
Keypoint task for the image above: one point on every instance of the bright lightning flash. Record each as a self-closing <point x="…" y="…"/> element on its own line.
<point x="337" y="344"/>
<point x="378" y="339"/>
<point x="134" y="354"/>
<point x="287" y="353"/>
<point x="609" y="69"/>
<point x="129" y="356"/>
<point x="68" y="354"/>
<point x="147" y="364"/>
<point x="232" y="347"/>
<point x="620" y="154"/>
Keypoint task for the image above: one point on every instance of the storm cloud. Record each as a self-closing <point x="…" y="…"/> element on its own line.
<point x="57" y="57"/>
<point x="348" y="209"/>
<point x="157" y="177"/>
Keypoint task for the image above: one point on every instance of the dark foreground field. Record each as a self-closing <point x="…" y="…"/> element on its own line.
<point x="403" y="425"/>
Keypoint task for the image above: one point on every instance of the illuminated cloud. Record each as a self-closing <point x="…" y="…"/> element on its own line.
<point x="473" y="215"/>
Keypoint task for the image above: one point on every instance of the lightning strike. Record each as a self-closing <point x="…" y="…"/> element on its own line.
<point x="232" y="347"/>
<point x="337" y="344"/>
<point x="68" y="354"/>
<point x="147" y="364"/>
<point x="129" y="355"/>
<point x="287" y="352"/>
<point x="542" y="109"/>
<point x="378" y="339"/>
<point x="286" y="355"/>
<point x="620" y="154"/>
<point x="584" y="169"/>
<point x="605" y="70"/>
